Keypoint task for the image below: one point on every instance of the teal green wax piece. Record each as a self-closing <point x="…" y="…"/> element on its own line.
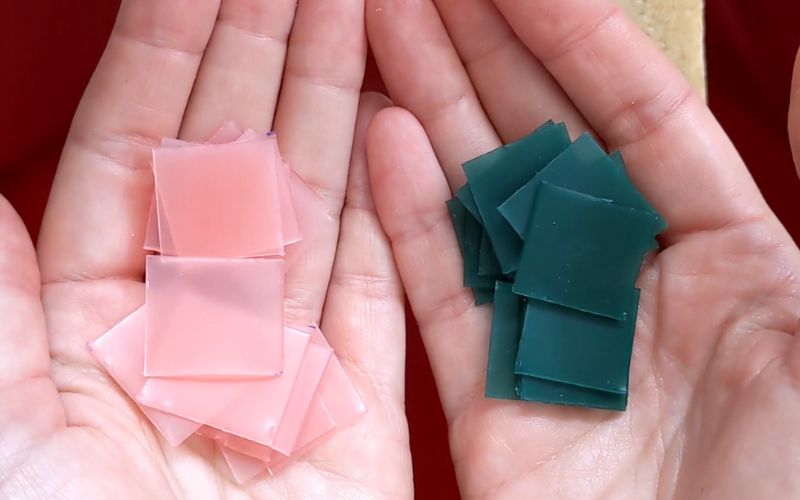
<point x="497" y="175"/>
<point x="472" y="247"/>
<point x="488" y="265"/>
<point x="546" y="391"/>
<point x="585" y="168"/>
<point x="619" y="162"/>
<point x="582" y="252"/>
<point x="458" y="216"/>
<point x="501" y="381"/>
<point x="577" y="348"/>
<point x="465" y="195"/>
<point x="483" y="295"/>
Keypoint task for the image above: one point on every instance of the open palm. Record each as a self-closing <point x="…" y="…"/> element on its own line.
<point x="714" y="405"/>
<point x="181" y="68"/>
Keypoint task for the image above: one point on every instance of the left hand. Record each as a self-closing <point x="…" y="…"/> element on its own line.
<point x="178" y="68"/>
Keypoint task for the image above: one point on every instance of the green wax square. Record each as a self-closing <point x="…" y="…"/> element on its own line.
<point x="577" y="348"/>
<point x="585" y="168"/>
<point x="488" y="265"/>
<point x="501" y="381"/>
<point x="472" y="247"/>
<point x="483" y="295"/>
<point x="497" y="175"/>
<point x="582" y="252"/>
<point x="468" y="200"/>
<point x="546" y="391"/>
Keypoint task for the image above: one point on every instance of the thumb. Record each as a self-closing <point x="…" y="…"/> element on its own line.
<point x="30" y="407"/>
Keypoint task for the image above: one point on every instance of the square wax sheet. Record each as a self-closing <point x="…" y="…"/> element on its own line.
<point x="312" y="214"/>
<point x="497" y="175"/>
<point x="582" y="252"/>
<point x="547" y="391"/>
<point x="585" y="168"/>
<point x="246" y="408"/>
<point x="214" y="317"/>
<point x="577" y="348"/>
<point x="312" y="369"/>
<point x="227" y="132"/>
<point x="290" y="231"/>
<point x="220" y="200"/>
<point x="501" y="381"/>
<point x="121" y="352"/>
<point x="317" y="423"/>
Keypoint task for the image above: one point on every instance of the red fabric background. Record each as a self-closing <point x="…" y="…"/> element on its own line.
<point x="48" y="50"/>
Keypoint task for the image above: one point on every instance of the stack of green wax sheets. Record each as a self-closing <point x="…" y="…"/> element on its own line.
<point x="554" y="233"/>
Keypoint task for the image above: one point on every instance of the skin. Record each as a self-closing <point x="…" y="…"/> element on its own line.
<point x="714" y="402"/>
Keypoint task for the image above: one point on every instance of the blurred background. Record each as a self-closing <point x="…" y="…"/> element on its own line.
<point x="49" y="48"/>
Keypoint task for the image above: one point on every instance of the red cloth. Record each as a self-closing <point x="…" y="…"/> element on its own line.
<point x="51" y="47"/>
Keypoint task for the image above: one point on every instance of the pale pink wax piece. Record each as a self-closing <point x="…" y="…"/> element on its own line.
<point x="220" y="200"/>
<point x="214" y="317"/>
<point x="245" y="467"/>
<point x="289" y="227"/>
<point x="168" y="142"/>
<point x="236" y="443"/>
<point x="312" y="214"/>
<point x="342" y="402"/>
<point x="251" y="409"/>
<point x="121" y="352"/>
<point x="228" y="132"/>
<point x="311" y="371"/>
<point x="152" y="241"/>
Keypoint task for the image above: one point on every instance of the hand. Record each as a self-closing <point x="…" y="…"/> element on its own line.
<point x="181" y="68"/>
<point x="714" y="409"/>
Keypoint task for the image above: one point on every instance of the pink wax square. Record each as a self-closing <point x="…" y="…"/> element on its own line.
<point x="214" y="317"/>
<point x="236" y="443"/>
<point x="245" y="467"/>
<point x="312" y="217"/>
<point x="342" y="403"/>
<point x="121" y="352"/>
<point x="311" y="370"/>
<point x="220" y="200"/>
<point x="289" y="227"/>
<point x="228" y="132"/>
<point x="245" y="408"/>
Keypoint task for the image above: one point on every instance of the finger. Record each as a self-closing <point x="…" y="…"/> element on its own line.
<point x="30" y="405"/>
<point x="410" y="193"/>
<point x="95" y="220"/>
<point x="637" y="100"/>
<point x="240" y="76"/>
<point x="364" y="311"/>
<point x="364" y="320"/>
<point x="23" y="338"/>
<point x="517" y="91"/>
<point x="794" y="114"/>
<point x="423" y="74"/>
<point x="315" y="121"/>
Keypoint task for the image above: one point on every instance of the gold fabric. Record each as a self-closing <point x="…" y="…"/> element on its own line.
<point x="678" y="27"/>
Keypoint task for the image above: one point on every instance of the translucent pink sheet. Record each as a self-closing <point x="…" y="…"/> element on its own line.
<point x="214" y="317"/>
<point x="220" y="200"/>
<point x="121" y="352"/>
<point x="209" y="352"/>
